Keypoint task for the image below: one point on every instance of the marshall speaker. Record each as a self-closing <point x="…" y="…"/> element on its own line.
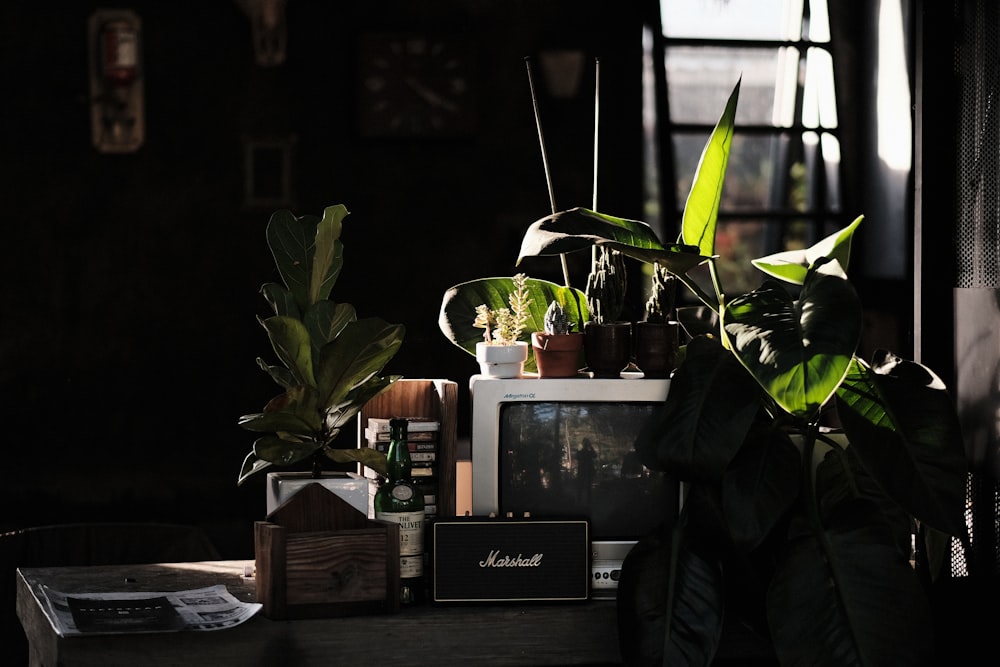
<point x="483" y="559"/>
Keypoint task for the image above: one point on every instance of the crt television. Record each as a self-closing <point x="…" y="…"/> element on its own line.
<point x="564" y="447"/>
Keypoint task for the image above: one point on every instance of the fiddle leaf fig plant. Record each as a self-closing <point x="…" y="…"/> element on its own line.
<point x="330" y="359"/>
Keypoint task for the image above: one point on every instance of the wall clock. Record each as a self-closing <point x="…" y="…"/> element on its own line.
<point x="416" y="85"/>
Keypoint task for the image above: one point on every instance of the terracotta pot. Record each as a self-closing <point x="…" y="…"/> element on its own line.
<point x="607" y="347"/>
<point x="502" y="361"/>
<point x="656" y="348"/>
<point x="557" y="355"/>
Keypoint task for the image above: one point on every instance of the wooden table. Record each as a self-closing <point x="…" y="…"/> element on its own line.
<point x="569" y="634"/>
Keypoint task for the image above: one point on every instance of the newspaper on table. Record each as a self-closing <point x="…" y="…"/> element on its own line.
<point x="210" y="608"/>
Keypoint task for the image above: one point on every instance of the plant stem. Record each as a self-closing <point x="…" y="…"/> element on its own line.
<point x="545" y="160"/>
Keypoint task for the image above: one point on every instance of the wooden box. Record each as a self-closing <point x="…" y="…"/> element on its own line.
<point x="432" y="398"/>
<point x="319" y="557"/>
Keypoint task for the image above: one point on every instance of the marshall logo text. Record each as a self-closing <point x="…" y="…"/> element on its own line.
<point x="493" y="560"/>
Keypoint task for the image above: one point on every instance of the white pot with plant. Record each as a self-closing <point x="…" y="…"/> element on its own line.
<point x="501" y="354"/>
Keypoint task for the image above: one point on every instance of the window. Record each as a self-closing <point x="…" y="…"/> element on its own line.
<point x="782" y="184"/>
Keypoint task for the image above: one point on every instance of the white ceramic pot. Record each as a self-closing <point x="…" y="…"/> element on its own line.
<point x="502" y="361"/>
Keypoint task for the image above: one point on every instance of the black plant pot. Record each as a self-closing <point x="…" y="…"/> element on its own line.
<point x="656" y="348"/>
<point x="607" y="347"/>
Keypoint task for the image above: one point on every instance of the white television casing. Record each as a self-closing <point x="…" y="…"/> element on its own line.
<point x="488" y="397"/>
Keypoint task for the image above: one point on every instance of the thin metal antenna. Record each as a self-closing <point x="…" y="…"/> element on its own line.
<point x="545" y="159"/>
<point x="597" y="115"/>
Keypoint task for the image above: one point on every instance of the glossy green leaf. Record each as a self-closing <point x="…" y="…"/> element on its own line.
<point x="339" y="414"/>
<point x="292" y="344"/>
<point x="366" y="456"/>
<point x="848" y="598"/>
<point x="293" y="243"/>
<point x="798" y="351"/>
<point x="760" y="485"/>
<point x="580" y="229"/>
<point x="281" y="375"/>
<point x="701" y="210"/>
<point x="282" y="301"/>
<point x="251" y="466"/>
<point x="902" y="425"/>
<point x="360" y="351"/>
<point x="711" y="404"/>
<point x="458" y="309"/>
<point x="325" y="320"/>
<point x="328" y="258"/>
<point x="792" y="265"/>
<point x="284" y="451"/>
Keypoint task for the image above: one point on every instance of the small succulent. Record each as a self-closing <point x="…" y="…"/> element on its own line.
<point x="504" y="326"/>
<point x="606" y="285"/>
<point x="663" y="293"/>
<point x="556" y="321"/>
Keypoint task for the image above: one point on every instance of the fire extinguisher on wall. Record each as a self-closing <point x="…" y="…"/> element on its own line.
<point x="116" y="81"/>
<point x="119" y="53"/>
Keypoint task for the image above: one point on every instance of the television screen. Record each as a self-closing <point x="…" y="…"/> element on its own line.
<point x="576" y="458"/>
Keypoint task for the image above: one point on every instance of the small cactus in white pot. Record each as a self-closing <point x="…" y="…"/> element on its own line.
<point x="501" y="354"/>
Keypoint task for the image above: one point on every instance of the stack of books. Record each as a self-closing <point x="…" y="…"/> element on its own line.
<point x="422" y="439"/>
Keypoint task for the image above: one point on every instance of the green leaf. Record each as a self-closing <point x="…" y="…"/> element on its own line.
<point x="372" y="458"/>
<point x="284" y="451"/>
<point x="458" y="309"/>
<point x="328" y="258"/>
<point x="293" y="346"/>
<point x="279" y="374"/>
<point x="798" y="351"/>
<point x="701" y="210"/>
<point x="325" y="320"/>
<point x="337" y="416"/>
<point x="360" y="351"/>
<point x="848" y="598"/>
<point x="293" y="243"/>
<point x="902" y="425"/>
<point x="263" y="422"/>
<point x="760" y="485"/>
<point x="711" y="404"/>
<point x="792" y="265"/>
<point x="581" y="228"/>
<point x="281" y="300"/>
<point x="251" y="466"/>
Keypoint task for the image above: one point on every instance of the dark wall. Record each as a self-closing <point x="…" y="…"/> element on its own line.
<point x="129" y="282"/>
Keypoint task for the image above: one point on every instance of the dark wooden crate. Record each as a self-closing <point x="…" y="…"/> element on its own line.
<point x="318" y="557"/>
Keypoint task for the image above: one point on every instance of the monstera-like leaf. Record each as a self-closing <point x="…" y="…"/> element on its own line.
<point x="797" y="350"/>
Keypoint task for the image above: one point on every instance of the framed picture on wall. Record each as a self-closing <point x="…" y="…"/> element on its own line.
<point x="267" y="172"/>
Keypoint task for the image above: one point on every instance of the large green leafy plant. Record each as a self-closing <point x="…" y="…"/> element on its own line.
<point x="330" y="359"/>
<point x="803" y="535"/>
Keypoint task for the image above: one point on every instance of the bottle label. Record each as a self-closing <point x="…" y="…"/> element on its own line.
<point x="411" y="531"/>
<point x="402" y="492"/>
<point x="411" y="566"/>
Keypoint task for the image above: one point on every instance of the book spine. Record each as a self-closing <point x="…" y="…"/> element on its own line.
<point x="414" y="424"/>
<point x="383" y="436"/>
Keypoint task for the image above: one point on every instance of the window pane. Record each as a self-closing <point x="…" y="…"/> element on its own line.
<point x="700" y="78"/>
<point x="739" y="19"/>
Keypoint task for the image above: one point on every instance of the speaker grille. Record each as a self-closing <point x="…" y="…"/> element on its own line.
<point x="977" y="64"/>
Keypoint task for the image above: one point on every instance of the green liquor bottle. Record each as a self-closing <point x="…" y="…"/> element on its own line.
<point x="398" y="500"/>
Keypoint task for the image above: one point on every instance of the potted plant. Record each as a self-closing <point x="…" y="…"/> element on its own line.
<point x="329" y="358"/>
<point x="557" y="348"/>
<point x="657" y="334"/>
<point x="799" y="533"/>
<point x="501" y="353"/>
